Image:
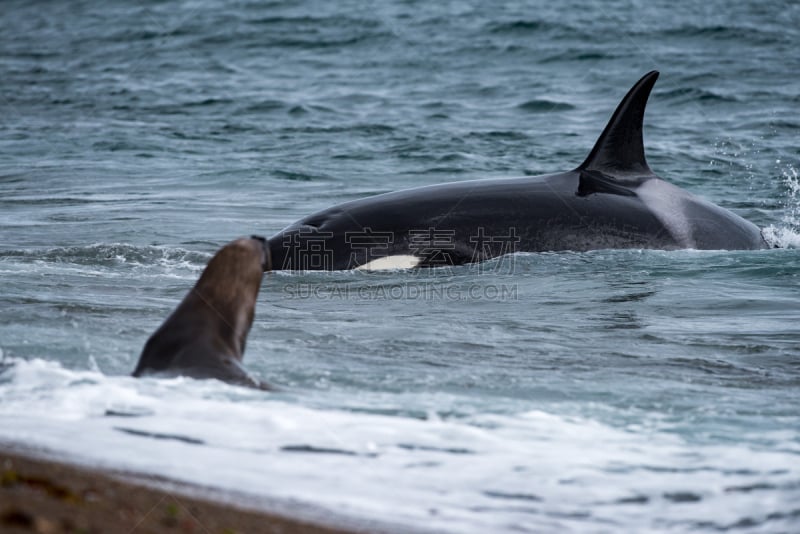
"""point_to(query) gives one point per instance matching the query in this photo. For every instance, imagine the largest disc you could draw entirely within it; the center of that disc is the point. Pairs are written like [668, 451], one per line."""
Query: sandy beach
[46, 496]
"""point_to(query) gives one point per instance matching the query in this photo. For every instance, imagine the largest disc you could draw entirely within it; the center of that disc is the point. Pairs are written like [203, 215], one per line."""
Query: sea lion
[205, 336]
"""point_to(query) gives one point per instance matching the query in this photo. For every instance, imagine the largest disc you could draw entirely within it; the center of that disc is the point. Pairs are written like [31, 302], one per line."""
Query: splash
[788, 234]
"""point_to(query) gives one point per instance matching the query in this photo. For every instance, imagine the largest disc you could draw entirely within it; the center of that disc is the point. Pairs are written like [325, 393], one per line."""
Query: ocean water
[608, 391]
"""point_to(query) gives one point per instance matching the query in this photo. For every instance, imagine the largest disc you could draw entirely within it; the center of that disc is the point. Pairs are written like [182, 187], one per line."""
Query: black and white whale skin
[611, 201]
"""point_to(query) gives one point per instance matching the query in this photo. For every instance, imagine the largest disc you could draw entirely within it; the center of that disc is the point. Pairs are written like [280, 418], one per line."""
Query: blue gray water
[602, 391]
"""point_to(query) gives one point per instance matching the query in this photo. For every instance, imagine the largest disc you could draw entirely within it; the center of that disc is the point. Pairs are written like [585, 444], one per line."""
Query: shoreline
[43, 494]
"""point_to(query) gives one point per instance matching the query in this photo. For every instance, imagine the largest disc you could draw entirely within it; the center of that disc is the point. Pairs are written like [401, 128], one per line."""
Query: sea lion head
[206, 334]
[230, 282]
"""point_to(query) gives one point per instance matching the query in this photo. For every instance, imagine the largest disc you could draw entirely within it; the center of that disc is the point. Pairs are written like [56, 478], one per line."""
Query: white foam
[788, 235]
[781, 237]
[471, 473]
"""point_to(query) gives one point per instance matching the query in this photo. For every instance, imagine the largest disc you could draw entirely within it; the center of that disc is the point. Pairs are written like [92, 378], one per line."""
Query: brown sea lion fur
[205, 336]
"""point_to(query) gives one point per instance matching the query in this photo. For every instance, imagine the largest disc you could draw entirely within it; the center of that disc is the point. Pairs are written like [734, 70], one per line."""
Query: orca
[613, 200]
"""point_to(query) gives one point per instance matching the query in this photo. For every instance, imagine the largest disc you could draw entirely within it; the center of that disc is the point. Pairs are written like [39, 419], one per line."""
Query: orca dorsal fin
[620, 148]
[590, 182]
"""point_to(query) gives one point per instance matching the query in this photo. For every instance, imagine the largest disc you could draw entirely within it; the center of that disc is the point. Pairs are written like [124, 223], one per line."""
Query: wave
[581, 54]
[542, 105]
[333, 22]
[464, 467]
[296, 176]
[722, 32]
[358, 129]
[693, 94]
[525, 26]
[112, 254]
[310, 34]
